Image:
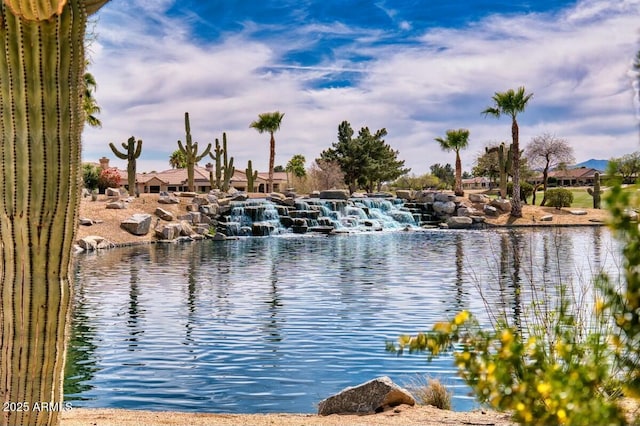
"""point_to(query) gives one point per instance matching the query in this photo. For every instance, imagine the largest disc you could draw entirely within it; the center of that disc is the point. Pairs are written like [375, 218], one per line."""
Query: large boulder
[490, 211]
[334, 194]
[459, 222]
[138, 224]
[118, 205]
[371, 397]
[444, 197]
[443, 208]
[424, 196]
[405, 194]
[501, 204]
[93, 242]
[479, 198]
[170, 231]
[168, 199]
[112, 192]
[164, 214]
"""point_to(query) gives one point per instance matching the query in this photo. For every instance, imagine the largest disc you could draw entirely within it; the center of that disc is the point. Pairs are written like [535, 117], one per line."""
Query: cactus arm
[117, 153]
[138, 149]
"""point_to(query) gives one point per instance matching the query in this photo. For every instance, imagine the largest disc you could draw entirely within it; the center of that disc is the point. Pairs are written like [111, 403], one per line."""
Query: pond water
[276, 324]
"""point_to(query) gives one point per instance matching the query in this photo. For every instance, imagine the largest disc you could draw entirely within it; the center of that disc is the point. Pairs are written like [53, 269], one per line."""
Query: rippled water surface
[276, 324]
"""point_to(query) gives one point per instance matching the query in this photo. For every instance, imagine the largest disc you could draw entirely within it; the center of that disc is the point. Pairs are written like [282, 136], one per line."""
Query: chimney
[104, 163]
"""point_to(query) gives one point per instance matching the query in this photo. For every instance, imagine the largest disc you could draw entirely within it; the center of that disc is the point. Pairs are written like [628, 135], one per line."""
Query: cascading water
[261, 217]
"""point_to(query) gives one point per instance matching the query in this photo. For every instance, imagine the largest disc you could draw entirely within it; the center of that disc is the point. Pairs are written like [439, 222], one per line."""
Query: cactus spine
[596, 192]
[41, 121]
[190, 151]
[252, 176]
[132, 153]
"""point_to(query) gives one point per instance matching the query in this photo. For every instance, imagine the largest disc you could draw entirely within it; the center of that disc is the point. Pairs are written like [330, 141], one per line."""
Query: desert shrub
[541, 379]
[526, 190]
[429, 391]
[559, 197]
[109, 178]
[90, 176]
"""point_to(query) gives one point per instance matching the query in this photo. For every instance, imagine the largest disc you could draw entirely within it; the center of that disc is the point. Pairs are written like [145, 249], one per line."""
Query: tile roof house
[175, 180]
[582, 176]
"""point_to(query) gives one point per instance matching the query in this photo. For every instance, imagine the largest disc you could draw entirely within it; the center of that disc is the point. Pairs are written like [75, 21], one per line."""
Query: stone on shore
[373, 396]
[334, 194]
[138, 224]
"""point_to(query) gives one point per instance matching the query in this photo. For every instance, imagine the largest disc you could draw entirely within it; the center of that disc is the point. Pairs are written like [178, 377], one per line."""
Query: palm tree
[89, 104]
[269, 122]
[511, 103]
[177, 160]
[455, 141]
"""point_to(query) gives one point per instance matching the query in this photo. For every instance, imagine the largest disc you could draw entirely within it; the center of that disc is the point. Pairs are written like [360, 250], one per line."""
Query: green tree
[90, 176]
[279, 169]
[177, 160]
[628, 167]
[511, 103]
[366, 160]
[548, 151]
[41, 110]
[445, 173]
[456, 140]
[295, 166]
[269, 122]
[89, 103]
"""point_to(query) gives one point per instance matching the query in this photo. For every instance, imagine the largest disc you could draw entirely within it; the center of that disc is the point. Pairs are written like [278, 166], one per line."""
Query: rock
[186, 229]
[219, 237]
[138, 224]
[188, 194]
[405, 194]
[631, 214]
[118, 205]
[459, 222]
[224, 201]
[358, 195]
[192, 217]
[490, 211]
[546, 218]
[578, 212]
[444, 208]
[200, 201]
[334, 194]
[84, 221]
[479, 198]
[164, 214]
[467, 211]
[445, 197]
[93, 242]
[168, 199]
[501, 204]
[314, 194]
[112, 192]
[370, 397]
[169, 231]
[425, 197]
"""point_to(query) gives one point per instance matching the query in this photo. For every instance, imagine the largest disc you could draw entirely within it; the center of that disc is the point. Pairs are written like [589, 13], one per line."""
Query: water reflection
[276, 324]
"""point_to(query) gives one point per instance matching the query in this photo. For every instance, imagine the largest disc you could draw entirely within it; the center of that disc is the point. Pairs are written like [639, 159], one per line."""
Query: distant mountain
[593, 164]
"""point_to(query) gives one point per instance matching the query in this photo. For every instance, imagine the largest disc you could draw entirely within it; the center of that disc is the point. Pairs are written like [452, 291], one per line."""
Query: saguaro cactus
[190, 151]
[41, 116]
[224, 165]
[229, 170]
[251, 177]
[132, 153]
[504, 166]
[596, 192]
[218, 159]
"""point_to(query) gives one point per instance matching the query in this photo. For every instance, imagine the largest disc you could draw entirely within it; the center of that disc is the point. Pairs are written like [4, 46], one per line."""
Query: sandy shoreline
[400, 416]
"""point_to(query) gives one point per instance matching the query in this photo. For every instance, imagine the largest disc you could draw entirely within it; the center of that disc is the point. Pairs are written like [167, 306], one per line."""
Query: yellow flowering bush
[540, 384]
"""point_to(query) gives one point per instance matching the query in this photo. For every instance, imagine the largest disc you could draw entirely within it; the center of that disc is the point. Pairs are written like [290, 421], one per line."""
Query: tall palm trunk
[458, 189]
[272, 159]
[516, 205]
[41, 123]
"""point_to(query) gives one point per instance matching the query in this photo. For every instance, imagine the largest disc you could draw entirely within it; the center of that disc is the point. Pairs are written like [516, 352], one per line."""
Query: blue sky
[415, 67]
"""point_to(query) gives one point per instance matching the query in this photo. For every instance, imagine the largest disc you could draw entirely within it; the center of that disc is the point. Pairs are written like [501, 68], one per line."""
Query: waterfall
[261, 217]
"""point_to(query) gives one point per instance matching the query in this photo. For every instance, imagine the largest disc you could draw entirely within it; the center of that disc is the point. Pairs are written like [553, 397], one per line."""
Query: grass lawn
[581, 198]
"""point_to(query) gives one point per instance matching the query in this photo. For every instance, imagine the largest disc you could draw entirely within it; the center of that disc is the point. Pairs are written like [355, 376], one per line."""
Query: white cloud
[576, 63]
